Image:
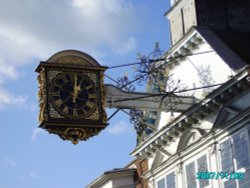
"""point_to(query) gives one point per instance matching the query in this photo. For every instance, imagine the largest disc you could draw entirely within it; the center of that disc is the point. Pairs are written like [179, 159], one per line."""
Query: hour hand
[76, 90]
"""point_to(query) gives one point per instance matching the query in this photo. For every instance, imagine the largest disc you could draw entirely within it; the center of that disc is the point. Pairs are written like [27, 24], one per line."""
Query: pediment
[225, 115]
[158, 159]
[190, 136]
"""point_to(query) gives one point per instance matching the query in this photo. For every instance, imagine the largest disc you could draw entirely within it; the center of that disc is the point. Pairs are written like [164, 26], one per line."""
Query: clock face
[73, 95]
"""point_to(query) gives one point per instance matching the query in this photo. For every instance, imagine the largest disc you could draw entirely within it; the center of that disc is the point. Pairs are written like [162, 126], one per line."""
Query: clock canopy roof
[78, 57]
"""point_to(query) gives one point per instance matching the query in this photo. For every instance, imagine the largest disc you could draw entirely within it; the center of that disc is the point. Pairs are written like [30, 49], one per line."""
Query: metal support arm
[117, 98]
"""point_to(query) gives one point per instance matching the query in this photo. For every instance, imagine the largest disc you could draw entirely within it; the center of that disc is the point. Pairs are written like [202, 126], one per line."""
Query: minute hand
[77, 89]
[75, 92]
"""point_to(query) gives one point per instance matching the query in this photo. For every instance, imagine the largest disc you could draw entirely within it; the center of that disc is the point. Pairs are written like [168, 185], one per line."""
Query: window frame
[157, 182]
[165, 179]
[195, 160]
[245, 130]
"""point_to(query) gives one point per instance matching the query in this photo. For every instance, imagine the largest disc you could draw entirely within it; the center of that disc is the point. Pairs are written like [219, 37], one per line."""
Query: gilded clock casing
[88, 117]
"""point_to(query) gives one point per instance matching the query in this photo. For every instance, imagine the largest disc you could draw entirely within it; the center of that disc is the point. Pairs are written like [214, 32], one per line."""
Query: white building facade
[208, 60]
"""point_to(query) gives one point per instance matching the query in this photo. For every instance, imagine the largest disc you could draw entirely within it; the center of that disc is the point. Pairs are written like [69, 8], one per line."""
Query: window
[190, 173]
[161, 183]
[199, 165]
[167, 182]
[170, 180]
[226, 156]
[202, 167]
[240, 143]
[234, 157]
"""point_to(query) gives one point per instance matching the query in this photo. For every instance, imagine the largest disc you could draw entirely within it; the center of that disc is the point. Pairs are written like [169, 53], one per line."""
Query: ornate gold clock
[71, 96]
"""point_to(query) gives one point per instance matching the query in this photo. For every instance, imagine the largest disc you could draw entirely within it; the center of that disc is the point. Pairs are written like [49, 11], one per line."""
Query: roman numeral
[64, 79]
[75, 112]
[92, 95]
[56, 94]
[65, 110]
[56, 85]
[90, 104]
[88, 87]
[58, 102]
[84, 111]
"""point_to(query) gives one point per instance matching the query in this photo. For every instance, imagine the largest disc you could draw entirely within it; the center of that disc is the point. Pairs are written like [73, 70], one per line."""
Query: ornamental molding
[208, 142]
[111, 176]
[184, 47]
[73, 56]
[74, 134]
[186, 138]
[172, 9]
[219, 97]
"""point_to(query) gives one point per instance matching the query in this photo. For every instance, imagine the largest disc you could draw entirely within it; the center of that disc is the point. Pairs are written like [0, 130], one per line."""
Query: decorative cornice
[197, 112]
[109, 175]
[183, 48]
[207, 141]
[179, 3]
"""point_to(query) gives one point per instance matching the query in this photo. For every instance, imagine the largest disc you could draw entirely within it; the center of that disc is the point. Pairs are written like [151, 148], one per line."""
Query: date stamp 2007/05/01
[220, 175]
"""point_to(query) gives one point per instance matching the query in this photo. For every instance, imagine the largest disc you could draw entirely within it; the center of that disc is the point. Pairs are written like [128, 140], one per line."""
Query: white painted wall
[127, 182]
[108, 184]
[189, 72]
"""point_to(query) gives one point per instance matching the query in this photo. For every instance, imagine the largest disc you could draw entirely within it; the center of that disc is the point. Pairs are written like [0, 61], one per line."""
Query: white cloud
[35, 133]
[9, 162]
[119, 128]
[33, 30]
[32, 175]
[7, 71]
[27, 177]
[33, 107]
[125, 47]
[8, 98]
[27, 30]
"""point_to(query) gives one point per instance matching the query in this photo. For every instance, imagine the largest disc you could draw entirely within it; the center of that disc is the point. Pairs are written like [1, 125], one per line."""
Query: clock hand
[67, 99]
[80, 83]
[75, 80]
[74, 89]
[78, 87]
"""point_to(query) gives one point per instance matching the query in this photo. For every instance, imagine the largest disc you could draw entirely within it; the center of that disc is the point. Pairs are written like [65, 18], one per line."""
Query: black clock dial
[73, 95]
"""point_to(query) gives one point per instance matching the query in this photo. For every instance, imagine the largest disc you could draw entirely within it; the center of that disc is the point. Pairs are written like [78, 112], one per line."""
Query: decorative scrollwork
[75, 134]
[205, 76]
[175, 86]
[142, 71]
[152, 70]
[170, 89]
[53, 113]
[136, 116]
[124, 83]
[41, 96]
[147, 70]
[52, 74]
[103, 98]
[169, 102]
[138, 119]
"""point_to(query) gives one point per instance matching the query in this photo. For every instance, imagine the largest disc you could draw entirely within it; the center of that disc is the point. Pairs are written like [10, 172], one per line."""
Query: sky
[112, 32]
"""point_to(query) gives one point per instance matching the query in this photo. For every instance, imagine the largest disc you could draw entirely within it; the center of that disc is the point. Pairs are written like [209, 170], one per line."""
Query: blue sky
[113, 32]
